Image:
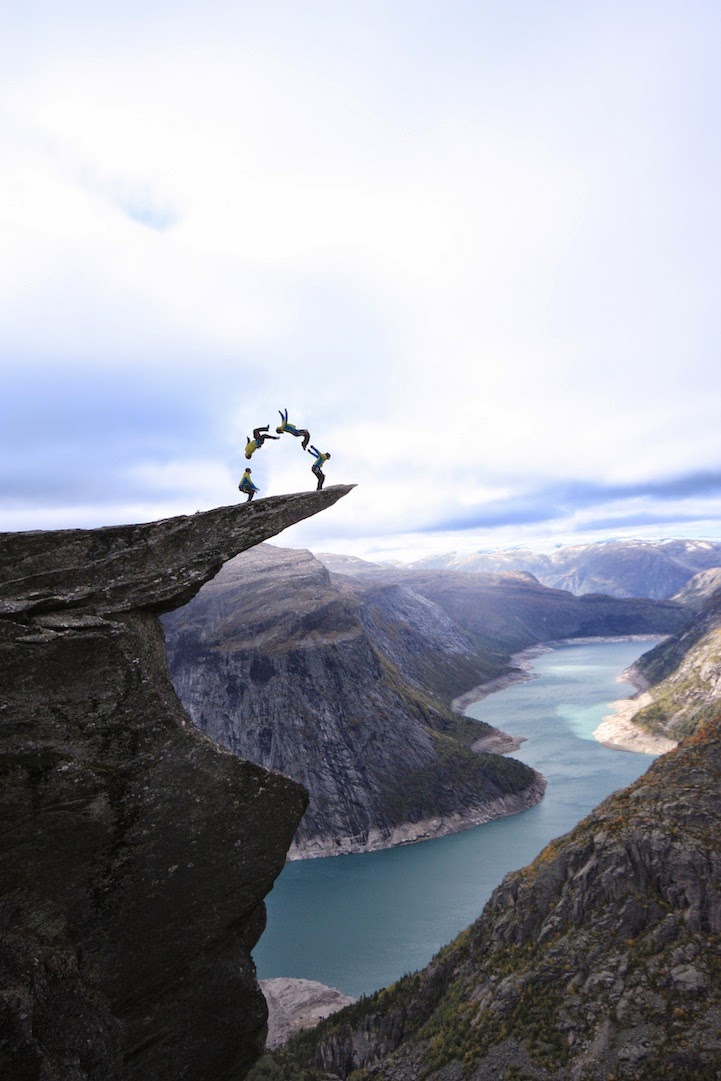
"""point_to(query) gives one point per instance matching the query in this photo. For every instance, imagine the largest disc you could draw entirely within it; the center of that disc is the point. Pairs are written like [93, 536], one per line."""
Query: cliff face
[699, 589]
[135, 854]
[288, 668]
[683, 676]
[600, 960]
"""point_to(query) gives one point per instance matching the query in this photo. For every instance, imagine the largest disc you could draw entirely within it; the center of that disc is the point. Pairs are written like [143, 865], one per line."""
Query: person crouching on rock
[317, 467]
[246, 485]
[286, 426]
[257, 441]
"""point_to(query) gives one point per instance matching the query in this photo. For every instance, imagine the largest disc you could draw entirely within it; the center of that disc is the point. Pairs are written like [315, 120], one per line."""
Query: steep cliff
[682, 676]
[135, 854]
[599, 961]
[289, 669]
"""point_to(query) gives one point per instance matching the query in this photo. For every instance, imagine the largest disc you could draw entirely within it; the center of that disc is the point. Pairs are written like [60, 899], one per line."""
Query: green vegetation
[687, 696]
[272, 1068]
[456, 778]
[431, 711]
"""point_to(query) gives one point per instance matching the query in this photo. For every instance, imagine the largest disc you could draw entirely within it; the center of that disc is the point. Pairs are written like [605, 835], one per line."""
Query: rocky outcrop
[295, 1004]
[135, 853]
[293, 670]
[600, 960]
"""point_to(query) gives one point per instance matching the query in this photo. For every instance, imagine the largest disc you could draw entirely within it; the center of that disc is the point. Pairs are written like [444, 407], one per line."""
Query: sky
[473, 247]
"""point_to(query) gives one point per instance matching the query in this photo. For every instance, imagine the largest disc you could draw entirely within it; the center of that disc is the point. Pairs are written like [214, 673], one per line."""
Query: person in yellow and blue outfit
[257, 441]
[246, 485]
[317, 467]
[286, 426]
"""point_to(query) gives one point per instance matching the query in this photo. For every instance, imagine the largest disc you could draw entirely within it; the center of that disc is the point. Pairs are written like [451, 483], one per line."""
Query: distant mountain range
[619, 568]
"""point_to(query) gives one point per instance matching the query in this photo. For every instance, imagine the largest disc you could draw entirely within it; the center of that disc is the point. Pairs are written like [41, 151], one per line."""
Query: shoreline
[616, 730]
[618, 736]
[522, 667]
[428, 829]
[521, 671]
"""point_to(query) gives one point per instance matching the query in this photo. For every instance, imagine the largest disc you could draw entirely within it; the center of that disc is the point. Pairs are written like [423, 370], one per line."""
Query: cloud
[475, 263]
[574, 497]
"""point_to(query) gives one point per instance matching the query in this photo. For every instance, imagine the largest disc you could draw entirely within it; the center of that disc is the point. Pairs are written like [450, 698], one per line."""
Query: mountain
[511, 611]
[135, 854]
[600, 960]
[342, 564]
[300, 672]
[630, 568]
[345, 683]
[700, 588]
[682, 675]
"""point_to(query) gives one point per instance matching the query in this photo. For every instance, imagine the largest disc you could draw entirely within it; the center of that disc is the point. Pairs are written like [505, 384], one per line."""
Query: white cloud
[473, 268]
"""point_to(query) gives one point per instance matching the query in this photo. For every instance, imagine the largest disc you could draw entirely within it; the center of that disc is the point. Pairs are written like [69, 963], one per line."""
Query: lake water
[360, 922]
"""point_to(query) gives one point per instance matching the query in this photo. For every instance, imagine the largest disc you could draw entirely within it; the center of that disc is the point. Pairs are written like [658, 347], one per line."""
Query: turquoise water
[360, 922]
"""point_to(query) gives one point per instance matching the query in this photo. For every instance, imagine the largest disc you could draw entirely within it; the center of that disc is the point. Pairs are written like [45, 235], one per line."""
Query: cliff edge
[135, 853]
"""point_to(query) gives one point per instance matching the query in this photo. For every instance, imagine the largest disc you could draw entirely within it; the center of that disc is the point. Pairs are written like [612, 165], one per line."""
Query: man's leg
[306, 437]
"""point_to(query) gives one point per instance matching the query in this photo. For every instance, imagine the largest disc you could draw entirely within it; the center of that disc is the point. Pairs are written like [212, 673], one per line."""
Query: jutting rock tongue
[136, 853]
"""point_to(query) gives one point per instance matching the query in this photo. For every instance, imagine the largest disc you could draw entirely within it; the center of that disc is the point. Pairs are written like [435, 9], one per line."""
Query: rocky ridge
[135, 853]
[599, 961]
[296, 1004]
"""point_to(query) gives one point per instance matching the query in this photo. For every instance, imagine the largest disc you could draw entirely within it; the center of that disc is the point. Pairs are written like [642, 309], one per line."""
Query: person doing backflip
[316, 468]
[257, 441]
[246, 485]
[286, 426]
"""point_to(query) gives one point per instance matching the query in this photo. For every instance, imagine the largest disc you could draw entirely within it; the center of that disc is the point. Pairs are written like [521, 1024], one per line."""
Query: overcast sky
[474, 247]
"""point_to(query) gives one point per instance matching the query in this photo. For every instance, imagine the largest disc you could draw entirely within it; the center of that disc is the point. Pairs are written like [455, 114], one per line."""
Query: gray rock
[135, 853]
[295, 1004]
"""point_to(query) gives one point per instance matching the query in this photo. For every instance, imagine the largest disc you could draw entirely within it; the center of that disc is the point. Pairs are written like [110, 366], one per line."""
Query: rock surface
[135, 853]
[298, 1004]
